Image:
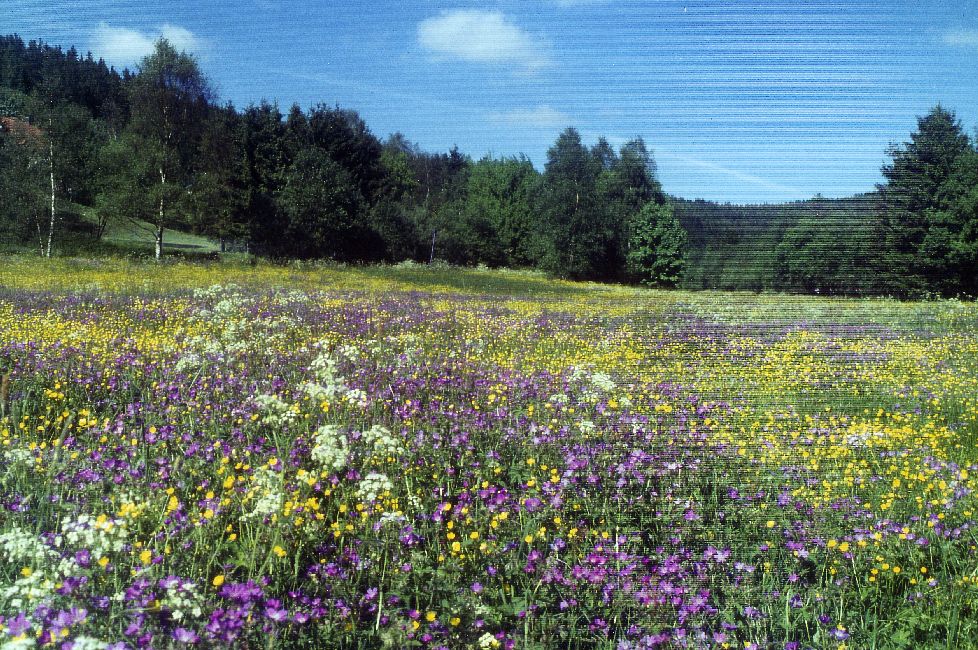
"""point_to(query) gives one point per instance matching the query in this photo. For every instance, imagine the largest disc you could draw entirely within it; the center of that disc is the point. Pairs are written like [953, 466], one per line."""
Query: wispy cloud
[960, 37]
[482, 37]
[539, 116]
[733, 173]
[124, 46]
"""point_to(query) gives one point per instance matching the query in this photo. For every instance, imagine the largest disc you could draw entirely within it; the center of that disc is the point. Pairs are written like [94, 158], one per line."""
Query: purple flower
[183, 635]
[19, 625]
[241, 592]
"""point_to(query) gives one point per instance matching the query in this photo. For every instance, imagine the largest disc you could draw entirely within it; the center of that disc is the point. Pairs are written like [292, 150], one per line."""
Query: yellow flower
[146, 557]
[430, 617]
[770, 523]
[218, 581]
[279, 551]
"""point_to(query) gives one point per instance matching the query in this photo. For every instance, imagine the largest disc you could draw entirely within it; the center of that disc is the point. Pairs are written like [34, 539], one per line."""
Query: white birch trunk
[160, 222]
[51, 169]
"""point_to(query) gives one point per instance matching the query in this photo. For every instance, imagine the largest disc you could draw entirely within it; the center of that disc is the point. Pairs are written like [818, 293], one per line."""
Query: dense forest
[83, 146]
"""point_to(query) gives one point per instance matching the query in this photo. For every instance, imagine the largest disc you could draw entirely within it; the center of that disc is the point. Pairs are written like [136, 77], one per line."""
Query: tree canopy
[84, 147]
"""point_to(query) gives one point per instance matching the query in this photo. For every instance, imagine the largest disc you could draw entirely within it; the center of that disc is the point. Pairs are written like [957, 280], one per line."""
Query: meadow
[228, 455]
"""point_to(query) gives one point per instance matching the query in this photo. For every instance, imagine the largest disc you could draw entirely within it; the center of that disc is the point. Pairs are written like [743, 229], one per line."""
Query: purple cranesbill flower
[183, 635]
[476, 588]
[276, 612]
[18, 625]
[598, 625]
[242, 592]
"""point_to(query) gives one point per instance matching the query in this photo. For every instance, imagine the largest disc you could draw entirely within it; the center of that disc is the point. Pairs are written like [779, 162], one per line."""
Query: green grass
[139, 235]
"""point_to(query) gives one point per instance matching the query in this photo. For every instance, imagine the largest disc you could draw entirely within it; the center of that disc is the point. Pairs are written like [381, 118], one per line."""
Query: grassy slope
[139, 234]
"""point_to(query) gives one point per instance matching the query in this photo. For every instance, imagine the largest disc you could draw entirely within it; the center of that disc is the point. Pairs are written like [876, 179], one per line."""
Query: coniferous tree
[913, 258]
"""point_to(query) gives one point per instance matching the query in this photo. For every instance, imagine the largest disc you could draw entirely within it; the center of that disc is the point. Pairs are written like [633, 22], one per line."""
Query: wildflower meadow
[309, 456]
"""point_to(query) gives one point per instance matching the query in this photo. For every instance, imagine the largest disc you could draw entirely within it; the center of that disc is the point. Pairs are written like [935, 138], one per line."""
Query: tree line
[84, 146]
[916, 234]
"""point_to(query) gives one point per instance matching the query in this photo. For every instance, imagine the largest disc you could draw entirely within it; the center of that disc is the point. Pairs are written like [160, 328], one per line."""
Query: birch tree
[170, 99]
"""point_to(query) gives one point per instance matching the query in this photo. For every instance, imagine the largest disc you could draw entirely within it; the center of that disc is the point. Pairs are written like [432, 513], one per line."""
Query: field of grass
[139, 235]
[318, 456]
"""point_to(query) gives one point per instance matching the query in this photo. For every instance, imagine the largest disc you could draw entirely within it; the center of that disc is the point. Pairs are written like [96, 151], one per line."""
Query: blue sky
[741, 102]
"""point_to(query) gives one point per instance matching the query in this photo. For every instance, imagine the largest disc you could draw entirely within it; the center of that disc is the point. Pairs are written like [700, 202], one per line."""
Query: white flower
[373, 485]
[268, 490]
[382, 442]
[88, 643]
[357, 397]
[276, 410]
[330, 448]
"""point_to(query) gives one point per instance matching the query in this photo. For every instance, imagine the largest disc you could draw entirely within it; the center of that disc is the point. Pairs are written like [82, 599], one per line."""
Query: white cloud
[181, 38]
[482, 37]
[123, 46]
[959, 37]
[540, 116]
